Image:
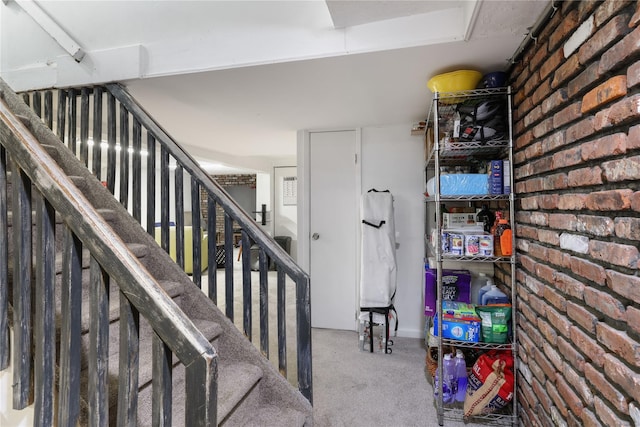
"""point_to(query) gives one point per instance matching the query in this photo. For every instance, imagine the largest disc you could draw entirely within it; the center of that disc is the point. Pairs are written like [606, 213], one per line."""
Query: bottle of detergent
[483, 290]
[461, 376]
[495, 296]
[449, 379]
[502, 241]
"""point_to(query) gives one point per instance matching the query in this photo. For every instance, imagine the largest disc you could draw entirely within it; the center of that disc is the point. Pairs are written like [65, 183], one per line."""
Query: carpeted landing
[356, 388]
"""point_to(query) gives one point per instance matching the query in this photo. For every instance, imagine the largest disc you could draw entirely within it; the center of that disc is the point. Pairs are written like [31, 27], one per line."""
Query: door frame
[304, 211]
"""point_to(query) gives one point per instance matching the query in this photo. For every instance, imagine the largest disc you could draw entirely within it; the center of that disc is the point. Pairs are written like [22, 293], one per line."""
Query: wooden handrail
[169, 322]
[21, 135]
[190, 165]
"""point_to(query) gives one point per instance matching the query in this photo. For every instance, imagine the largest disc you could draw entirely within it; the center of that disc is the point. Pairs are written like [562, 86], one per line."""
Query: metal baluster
[45, 322]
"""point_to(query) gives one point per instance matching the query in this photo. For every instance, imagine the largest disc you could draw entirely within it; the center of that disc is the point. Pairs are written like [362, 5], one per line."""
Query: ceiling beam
[52, 28]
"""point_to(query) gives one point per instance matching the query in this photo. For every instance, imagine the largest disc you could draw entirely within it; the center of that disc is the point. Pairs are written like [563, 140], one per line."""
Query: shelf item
[473, 134]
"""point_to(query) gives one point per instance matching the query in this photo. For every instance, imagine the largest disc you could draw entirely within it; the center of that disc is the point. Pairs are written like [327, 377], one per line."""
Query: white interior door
[333, 229]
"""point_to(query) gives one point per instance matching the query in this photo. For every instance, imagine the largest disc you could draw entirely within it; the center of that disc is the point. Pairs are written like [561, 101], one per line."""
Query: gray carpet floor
[356, 388]
[350, 387]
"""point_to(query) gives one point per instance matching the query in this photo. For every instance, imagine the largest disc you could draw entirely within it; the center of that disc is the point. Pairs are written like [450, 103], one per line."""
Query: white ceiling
[235, 80]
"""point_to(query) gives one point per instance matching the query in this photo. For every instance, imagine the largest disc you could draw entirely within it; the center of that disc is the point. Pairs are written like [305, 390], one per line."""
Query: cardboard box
[456, 286]
[457, 329]
[506, 177]
[495, 177]
[459, 310]
[454, 220]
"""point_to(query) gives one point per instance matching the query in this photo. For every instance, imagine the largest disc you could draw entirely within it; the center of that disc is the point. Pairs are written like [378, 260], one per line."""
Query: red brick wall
[577, 172]
[224, 181]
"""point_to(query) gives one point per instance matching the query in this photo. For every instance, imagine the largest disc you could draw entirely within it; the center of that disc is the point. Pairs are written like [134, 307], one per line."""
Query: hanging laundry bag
[378, 261]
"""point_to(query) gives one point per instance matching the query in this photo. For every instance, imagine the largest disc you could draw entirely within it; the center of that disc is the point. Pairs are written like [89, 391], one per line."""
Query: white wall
[393, 159]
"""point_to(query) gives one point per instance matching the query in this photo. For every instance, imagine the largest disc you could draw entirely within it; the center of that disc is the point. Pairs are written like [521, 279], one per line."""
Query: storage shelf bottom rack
[495, 419]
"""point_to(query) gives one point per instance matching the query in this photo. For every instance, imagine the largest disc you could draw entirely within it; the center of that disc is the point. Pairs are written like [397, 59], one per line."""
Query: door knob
[315, 236]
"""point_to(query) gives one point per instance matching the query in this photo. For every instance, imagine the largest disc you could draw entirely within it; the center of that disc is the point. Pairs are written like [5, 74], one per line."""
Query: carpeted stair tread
[234, 383]
[273, 416]
[108, 214]
[138, 249]
[173, 289]
[250, 391]
[210, 330]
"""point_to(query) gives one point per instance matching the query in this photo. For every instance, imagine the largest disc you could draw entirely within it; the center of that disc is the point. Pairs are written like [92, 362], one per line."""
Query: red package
[490, 385]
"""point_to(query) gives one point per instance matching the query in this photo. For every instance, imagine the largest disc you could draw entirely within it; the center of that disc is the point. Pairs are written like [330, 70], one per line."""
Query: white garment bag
[378, 262]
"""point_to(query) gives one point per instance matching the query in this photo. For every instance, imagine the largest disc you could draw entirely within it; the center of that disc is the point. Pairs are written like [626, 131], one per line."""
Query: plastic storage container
[477, 283]
[503, 226]
[495, 296]
[506, 245]
[486, 288]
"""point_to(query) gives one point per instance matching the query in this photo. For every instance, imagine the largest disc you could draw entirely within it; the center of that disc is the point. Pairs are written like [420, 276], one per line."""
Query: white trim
[358, 179]
[303, 202]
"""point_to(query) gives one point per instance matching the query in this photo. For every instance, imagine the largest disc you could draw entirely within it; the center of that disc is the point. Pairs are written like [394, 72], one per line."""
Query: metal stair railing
[137, 160]
[39, 184]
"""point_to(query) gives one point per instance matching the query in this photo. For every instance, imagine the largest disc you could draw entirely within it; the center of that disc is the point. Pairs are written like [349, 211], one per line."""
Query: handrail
[250, 229]
[189, 164]
[168, 321]
[127, 123]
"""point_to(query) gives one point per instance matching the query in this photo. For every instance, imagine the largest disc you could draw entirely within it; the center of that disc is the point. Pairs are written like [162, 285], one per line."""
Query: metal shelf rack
[444, 152]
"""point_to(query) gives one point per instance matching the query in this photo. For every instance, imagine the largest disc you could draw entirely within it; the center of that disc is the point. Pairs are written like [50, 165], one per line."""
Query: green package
[495, 323]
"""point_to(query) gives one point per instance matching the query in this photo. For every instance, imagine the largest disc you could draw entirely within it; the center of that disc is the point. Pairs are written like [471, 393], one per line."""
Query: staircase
[109, 330]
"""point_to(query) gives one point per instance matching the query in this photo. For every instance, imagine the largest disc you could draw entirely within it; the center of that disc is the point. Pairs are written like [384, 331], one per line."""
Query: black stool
[384, 311]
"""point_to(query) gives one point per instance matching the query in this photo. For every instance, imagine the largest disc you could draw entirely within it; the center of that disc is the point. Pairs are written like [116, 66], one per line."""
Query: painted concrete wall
[393, 159]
